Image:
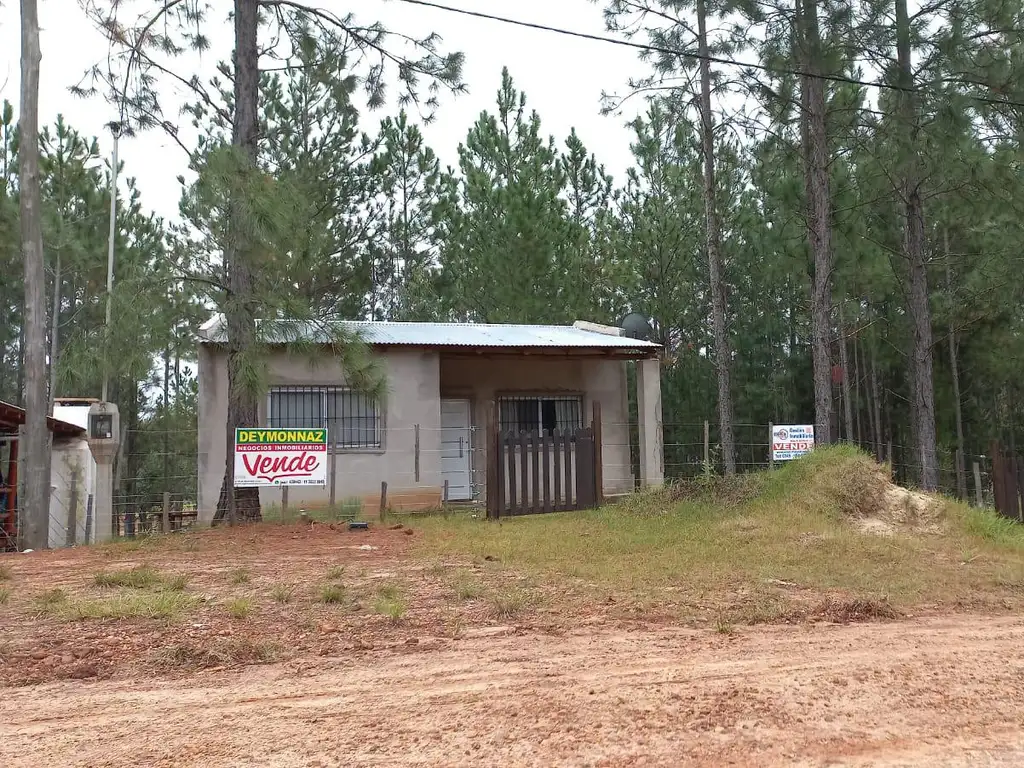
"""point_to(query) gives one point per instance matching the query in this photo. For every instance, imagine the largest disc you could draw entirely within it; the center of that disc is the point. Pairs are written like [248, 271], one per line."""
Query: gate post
[598, 462]
[491, 439]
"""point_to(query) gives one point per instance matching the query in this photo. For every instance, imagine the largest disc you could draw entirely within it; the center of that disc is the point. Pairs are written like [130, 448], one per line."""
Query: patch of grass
[394, 608]
[510, 603]
[5, 595]
[177, 583]
[50, 600]
[230, 651]
[724, 627]
[351, 508]
[282, 593]
[140, 577]
[6, 574]
[331, 594]
[240, 607]
[466, 587]
[798, 525]
[123, 605]
[240, 576]
[335, 572]
[389, 591]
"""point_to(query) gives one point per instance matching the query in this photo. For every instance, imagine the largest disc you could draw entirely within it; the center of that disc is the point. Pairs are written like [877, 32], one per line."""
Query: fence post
[165, 517]
[332, 501]
[771, 446]
[707, 445]
[598, 464]
[491, 438]
[416, 453]
[72, 531]
[979, 500]
[284, 503]
[383, 499]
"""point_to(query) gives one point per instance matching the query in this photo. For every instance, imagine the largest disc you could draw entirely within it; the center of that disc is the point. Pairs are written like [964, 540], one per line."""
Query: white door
[455, 449]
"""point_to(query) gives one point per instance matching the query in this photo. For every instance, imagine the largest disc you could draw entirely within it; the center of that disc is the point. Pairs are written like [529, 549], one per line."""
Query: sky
[563, 77]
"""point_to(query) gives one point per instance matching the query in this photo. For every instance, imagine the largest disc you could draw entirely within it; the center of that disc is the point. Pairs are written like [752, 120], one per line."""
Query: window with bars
[351, 418]
[526, 413]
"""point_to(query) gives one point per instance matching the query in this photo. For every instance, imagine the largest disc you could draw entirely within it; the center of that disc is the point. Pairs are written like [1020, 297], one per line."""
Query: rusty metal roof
[478, 335]
[11, 417]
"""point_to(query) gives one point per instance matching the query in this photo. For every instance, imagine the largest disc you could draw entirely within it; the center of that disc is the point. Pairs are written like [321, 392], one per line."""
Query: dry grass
[800, 527]
[240, 576]
[509, 604]
[282, 593]
[5, 595]
[188, 656]
[335, 572]
[240, 607]
[332, 594]
[127, 604]
[6, 574]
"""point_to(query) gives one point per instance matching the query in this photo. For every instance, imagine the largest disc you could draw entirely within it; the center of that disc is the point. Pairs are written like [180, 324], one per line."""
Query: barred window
[544, 413]
[351, 418]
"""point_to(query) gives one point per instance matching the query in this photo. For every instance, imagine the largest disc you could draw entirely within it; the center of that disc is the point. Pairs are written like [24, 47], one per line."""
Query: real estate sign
[791, 441]
[275, 457]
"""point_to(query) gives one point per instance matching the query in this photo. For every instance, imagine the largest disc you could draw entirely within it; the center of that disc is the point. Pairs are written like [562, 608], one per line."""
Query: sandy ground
[921, 692]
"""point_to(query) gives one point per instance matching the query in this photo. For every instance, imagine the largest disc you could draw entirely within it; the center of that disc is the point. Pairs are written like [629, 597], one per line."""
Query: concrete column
[648, 397]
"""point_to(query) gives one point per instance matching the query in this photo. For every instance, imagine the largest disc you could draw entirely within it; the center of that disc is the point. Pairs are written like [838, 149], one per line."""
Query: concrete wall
[70, 457]
[482, 379]
[413, 386]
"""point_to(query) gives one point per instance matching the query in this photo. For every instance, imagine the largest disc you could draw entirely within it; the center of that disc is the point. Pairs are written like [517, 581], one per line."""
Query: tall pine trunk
[844, 363]
[34, 501]
[954, 367]
[922, 399]
[814, 139]
[723, 350]
[241, 306]
[55, 331]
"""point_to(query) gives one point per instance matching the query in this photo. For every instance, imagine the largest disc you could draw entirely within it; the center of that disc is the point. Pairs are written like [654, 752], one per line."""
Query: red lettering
[274, 468]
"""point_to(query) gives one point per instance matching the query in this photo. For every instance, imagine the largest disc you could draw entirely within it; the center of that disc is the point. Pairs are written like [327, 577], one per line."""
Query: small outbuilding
[450, 386]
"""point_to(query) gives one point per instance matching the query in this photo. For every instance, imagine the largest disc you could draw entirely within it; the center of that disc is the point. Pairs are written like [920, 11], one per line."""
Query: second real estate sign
[276, 457]
[791, 441]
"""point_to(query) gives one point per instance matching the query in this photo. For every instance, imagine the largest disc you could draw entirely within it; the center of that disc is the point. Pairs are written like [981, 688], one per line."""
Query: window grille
[351, 418]
[546, 414]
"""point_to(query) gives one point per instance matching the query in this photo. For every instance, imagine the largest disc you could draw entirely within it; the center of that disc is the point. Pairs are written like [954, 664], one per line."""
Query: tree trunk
[723, 350]
[166, 413]
[240, 306]
[922, 401]
[54, 332]
[819, 226]
[858, 398]
[844, 362]
[34, 501]
[954, 367]
[876, 406]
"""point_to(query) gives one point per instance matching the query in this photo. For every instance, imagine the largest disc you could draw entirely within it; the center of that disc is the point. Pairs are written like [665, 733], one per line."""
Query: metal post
[115, 129]
[707, 446]
[165, 520]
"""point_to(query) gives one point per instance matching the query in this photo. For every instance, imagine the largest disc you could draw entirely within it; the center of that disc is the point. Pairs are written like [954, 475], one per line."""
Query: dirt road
[935, 692]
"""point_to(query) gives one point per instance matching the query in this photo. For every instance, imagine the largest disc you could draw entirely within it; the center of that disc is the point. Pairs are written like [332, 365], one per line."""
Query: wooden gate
[1007, 483]
[536, 472]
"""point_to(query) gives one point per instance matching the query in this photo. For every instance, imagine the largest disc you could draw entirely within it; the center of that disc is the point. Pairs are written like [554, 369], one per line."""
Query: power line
[695, 56]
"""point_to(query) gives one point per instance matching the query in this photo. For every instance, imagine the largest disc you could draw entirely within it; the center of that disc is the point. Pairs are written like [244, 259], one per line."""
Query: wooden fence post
[416, 453]
[165, 518]
[598, 464]
[978, 497]
[383, 499]
[707, 446]
[72, 531]
[491, 438]
[284, 503]
[771, 446]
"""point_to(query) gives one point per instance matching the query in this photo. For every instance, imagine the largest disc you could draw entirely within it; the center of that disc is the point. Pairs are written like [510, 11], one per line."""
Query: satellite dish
[636, 326]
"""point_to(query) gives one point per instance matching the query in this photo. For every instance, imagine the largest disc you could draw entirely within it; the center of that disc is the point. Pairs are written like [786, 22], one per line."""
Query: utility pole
[115, 130]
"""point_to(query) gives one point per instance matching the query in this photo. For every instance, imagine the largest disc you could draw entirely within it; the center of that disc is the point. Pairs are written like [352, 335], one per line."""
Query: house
[71, 464]
[428, 439]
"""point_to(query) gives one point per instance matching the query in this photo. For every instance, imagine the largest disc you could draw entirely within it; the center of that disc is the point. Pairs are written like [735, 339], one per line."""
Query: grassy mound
[804, 532]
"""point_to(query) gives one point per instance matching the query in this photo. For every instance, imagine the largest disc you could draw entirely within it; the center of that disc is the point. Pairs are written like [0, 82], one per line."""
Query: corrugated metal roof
[445, 334]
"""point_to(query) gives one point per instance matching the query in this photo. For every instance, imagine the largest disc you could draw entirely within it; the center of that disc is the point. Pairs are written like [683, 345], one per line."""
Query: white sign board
[276, 457]
[791, 441]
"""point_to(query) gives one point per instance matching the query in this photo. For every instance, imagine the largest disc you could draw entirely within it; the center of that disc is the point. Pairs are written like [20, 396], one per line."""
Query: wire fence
[156, 485]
